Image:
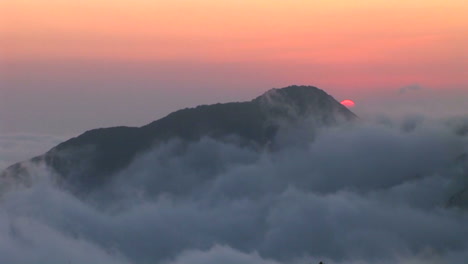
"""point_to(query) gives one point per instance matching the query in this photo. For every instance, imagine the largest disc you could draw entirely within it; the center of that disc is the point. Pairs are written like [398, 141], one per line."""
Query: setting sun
[348, 103]
[211, 131]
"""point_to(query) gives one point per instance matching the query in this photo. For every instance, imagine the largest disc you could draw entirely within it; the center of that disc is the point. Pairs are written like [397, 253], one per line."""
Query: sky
[373, 192]
[70, 66]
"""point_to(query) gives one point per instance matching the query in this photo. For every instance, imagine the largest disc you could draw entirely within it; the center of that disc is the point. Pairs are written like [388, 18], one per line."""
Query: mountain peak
[305, 101]
[98, 153]
[295, 92]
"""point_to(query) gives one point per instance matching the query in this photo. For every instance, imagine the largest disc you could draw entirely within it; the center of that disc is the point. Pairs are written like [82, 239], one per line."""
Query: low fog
[19, 147]
[372, 192]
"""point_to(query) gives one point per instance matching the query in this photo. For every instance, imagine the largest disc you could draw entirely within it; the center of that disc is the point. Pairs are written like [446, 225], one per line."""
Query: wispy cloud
[370, 193]
[19, 147]
[410, 88]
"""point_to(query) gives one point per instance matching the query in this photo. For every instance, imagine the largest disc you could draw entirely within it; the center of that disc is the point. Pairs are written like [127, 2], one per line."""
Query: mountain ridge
[254, 123]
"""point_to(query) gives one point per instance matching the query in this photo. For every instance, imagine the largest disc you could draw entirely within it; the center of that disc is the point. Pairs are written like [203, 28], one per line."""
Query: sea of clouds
[372, 192]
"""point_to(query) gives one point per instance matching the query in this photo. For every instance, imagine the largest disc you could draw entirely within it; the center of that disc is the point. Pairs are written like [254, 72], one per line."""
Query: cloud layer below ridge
[367, 193]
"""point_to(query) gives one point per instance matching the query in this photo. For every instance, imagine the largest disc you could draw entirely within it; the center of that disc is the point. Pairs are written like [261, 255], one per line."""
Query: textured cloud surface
[369, 193]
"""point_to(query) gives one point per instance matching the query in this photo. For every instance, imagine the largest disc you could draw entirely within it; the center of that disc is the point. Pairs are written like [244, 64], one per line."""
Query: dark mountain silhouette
[90, 158]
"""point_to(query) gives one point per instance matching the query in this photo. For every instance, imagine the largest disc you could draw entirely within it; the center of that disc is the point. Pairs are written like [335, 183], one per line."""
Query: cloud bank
[368, 193]
[18, 147]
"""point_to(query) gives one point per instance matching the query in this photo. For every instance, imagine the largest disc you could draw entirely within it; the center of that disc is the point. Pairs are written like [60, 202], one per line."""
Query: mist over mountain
[86, 161]
[291, 177]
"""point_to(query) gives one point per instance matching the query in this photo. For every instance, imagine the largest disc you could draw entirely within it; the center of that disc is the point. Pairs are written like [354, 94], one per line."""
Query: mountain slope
[90, 158]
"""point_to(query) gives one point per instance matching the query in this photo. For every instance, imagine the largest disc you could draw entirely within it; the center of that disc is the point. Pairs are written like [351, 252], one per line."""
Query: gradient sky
[68, 66]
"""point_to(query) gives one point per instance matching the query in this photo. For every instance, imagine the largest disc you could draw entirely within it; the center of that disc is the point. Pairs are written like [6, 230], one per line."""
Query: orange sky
[324, 31]
[417, 41]
[55, 51]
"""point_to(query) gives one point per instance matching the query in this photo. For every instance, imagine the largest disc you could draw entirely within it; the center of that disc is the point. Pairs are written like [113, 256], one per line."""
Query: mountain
[89, 159]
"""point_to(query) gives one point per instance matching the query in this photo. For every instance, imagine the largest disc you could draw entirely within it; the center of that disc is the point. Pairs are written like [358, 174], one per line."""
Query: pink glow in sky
[120, 60]
[334, 42]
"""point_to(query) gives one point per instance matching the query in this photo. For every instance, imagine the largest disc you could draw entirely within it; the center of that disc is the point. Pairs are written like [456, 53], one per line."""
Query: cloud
[413, 101]
[18, 147]
[410, 88]
[219, 254]
[368, 193]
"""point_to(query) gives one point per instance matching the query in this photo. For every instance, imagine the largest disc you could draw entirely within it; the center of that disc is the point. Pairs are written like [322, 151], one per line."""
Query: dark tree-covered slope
[90, 158]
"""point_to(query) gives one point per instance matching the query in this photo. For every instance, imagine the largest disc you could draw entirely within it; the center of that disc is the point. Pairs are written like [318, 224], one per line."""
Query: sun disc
[348, 103]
